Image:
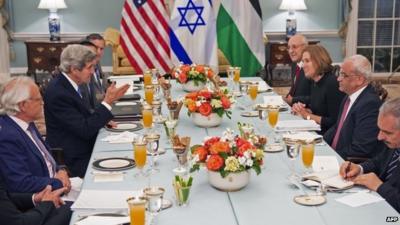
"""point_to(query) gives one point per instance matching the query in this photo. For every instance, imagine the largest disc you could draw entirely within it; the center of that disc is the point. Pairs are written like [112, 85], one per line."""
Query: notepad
[330, 178]
[359, 199]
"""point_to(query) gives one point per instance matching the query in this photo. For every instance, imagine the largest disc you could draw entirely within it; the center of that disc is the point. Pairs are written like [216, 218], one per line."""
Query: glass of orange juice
[147, 77]
[140, 153]
[149, 94]
[137, 210]
[253, 91]
[236, 75]
[307, 154]
[147, 114]
[273, 115]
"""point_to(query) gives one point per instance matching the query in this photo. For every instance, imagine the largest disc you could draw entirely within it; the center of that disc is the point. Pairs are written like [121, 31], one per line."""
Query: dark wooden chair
[380, 90]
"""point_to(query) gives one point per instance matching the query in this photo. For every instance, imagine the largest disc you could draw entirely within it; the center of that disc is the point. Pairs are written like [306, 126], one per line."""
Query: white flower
[215, 103]
[242, 160]
[247, 154]
[249, 162]
[198, 103]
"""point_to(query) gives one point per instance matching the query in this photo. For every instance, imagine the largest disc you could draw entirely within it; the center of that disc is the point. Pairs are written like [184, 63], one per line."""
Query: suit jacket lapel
[28, 141]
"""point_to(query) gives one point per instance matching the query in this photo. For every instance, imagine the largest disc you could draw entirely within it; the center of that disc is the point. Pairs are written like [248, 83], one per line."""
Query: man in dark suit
[69, 123]
[43, 208]
[382, 173]
[26, 164]
[354, 134]
[301, 86]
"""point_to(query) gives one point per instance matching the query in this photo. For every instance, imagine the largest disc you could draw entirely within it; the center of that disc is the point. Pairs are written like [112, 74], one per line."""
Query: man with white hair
[25, 162]
[70, 124]
[382, 173]
[354, 134]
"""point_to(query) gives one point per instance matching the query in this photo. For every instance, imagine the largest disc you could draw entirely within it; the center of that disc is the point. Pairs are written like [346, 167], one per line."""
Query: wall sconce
[291, 6]
[54, 19]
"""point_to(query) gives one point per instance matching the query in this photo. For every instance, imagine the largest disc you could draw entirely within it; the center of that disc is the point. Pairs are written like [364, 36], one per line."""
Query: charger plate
[114, 164]
[125, 126]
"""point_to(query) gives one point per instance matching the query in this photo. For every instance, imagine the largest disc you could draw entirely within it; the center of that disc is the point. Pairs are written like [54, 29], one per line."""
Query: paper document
[359, 199]
[122, 80]
[324, 163]
[124, 137]
[103, 220]
[102, 199]
[273, 100]
[297, 125]
[303, 136]
[330, 178]
[76, 184]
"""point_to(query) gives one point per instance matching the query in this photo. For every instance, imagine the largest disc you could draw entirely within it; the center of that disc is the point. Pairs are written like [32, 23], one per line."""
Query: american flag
[145, 35]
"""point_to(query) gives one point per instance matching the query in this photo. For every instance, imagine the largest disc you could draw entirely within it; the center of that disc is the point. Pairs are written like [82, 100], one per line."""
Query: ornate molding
[310, 34]
[23, 36]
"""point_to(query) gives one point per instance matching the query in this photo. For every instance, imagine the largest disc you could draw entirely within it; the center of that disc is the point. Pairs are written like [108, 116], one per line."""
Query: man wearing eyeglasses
[26, 164]
[301, 86]
[354, 134]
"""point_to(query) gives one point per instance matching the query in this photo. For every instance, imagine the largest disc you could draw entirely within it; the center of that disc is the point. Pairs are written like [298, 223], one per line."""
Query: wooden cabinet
[279, 67]
[44, 55]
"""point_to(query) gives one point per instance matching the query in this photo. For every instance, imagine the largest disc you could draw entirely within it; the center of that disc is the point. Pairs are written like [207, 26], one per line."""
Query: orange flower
[244, 148]
[192, 95]
[215, 162]
[202, 153]
[204, 93]
[182, 77]
[218, 147]
[205, 109]
[191, 105]
[226, 104]
[200, 68]
[210, 74]
[185, 68]
[211, 141]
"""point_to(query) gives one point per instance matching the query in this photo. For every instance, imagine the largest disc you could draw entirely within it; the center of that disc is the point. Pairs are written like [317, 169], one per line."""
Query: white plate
[126, 126]
[273, 148]
[249, 114]
[125, 103]
[114, 163]
[309, 200]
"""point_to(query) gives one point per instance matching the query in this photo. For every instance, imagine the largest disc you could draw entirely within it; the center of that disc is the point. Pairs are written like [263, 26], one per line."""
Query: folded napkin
[273, 100]
[100, 176]
[297, 125]
[104, 220]
[302, 136]
[76, 185]
[124, 137]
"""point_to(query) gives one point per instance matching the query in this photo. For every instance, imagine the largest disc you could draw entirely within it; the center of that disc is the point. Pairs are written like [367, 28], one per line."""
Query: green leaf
[194, 147]
[224, 155]
[223, 173]
[195, 167]
[257, 168]
[190, 181]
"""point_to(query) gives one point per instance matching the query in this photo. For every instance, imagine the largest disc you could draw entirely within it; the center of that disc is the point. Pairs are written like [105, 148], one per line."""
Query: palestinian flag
[240, 34]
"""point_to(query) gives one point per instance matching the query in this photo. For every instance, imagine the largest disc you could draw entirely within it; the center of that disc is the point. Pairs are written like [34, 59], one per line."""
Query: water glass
[154, 197]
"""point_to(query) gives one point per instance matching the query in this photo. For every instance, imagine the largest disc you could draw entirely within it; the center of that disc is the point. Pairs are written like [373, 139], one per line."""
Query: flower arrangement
[206, 102]
[196, 73]
[227, 154]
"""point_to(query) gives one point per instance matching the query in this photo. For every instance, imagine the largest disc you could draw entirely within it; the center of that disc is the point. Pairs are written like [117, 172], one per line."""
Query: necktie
[341, 121]
[51, 164]
[295, 80]
[392, 164]
[79, 91]
[98, 78]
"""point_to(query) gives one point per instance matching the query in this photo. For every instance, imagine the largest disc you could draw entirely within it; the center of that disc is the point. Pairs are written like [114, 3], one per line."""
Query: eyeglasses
[294, 46]
[37, 99]
[345, 75]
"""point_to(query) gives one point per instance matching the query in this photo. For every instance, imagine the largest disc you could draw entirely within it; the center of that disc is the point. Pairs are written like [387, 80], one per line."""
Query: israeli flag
[193, 33]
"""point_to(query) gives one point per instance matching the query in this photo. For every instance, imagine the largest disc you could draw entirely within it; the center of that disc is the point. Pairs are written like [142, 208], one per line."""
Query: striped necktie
[392, 164]
[50, 162]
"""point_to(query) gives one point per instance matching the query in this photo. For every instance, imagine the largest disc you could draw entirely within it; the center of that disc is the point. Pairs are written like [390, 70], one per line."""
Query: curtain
[4, 46]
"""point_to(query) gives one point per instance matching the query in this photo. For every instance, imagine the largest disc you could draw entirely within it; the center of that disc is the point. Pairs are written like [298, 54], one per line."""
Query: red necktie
[296, 78]
[341, 121]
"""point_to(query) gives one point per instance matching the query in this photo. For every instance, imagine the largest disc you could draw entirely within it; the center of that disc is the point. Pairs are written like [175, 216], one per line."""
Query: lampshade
[293, 5]
[52, 4]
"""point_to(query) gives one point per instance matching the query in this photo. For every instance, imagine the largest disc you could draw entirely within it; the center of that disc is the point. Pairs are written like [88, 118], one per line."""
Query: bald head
[296, 46]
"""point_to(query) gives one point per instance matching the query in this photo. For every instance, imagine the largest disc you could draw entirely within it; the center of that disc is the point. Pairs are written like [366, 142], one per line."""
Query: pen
[347, 170]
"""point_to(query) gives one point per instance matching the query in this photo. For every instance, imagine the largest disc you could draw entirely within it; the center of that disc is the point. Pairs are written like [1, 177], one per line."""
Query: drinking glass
[307, 155]
[149, 94]
[181, 194]
[137, 210]
[170, 126]
[181, 154]
[253, 91]
[236, 75]
[273, 115]
[147, 78]
[140, 154]
[154, 197]
[292, 150]
[154, 75]
[152, 140]
[147, 114]
[230, 72]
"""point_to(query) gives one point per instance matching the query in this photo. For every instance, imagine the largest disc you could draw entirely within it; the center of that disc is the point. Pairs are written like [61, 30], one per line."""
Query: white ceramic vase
[190, 86]
[232, 182]
[212, 120]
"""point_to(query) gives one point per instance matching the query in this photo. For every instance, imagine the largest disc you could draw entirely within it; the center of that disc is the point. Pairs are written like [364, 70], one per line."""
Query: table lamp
[54, 19]
[291, 6]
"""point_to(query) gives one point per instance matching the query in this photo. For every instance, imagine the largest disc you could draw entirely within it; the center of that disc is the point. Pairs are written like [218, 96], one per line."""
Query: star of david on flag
[193, 33]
